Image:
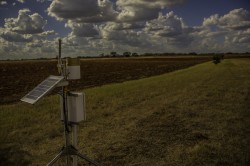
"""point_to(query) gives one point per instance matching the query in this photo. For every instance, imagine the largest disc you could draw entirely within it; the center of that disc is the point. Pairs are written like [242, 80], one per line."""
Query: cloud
[149, 3]
[21, 1]
[82, 10]
[236, 19]
[95, 11]
[171, 28]
[48, 33]
[66, 9]
[120, 21]
[3, 3]
[25, 23]
[25, 27]
[125, 26]
[77, 46]
[18, 46]
[10, 48]
[165, 33]
[35, 44]
[113, 31]
[116, 24]
[102, 26]
[133, 14]
[225, 33]
[142, 10]
[40, 47]
[15, 37]
[244, 36]
[168, 26]
[42, 1]
[20, 36]
[240, 37]
[82, 29]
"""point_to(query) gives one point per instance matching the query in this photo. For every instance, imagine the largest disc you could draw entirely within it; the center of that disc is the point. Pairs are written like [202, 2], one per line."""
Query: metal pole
[68, 150]
[66, 127]
[74, 142]
[65, 103]
[60, 46]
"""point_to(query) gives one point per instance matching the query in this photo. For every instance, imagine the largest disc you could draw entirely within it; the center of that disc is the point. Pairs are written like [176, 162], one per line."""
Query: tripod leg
[55, 159]
[74, 141]
[88, 159]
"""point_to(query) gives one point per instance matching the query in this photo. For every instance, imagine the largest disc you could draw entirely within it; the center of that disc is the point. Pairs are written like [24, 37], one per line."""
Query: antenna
[72, 105]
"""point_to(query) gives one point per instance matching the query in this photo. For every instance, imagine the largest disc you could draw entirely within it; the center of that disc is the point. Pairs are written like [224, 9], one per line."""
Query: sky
[30, 29]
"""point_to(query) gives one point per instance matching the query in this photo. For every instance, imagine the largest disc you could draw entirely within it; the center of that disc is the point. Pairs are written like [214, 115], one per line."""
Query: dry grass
[196, 116]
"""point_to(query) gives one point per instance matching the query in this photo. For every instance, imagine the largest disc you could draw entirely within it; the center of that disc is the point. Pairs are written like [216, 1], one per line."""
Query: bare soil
[19, 77]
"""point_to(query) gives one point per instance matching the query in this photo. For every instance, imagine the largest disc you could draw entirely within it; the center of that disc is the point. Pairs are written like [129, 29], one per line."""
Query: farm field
[194, 116]
[19, 77]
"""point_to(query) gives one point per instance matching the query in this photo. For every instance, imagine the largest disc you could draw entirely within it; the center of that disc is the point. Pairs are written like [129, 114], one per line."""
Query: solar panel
[42, 89]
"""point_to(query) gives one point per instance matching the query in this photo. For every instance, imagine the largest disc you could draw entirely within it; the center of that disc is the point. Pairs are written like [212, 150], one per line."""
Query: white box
[76, 108]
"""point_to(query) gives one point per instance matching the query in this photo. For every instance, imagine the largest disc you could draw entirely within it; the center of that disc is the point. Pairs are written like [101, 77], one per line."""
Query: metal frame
[68, 149]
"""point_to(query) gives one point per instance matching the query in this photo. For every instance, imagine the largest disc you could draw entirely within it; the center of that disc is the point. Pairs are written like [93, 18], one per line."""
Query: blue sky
[194, 11]
[31, 28]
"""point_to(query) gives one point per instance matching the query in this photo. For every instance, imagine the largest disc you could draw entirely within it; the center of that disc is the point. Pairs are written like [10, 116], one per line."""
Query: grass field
[195, 116]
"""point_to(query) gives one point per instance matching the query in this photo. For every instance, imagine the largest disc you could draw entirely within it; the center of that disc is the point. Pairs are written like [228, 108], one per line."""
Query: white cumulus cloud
[142, 10]
[236, 19]
[21, 1]
[82, 10]
[82, 29]
[3, 3]
[25, 23]
[15, 37]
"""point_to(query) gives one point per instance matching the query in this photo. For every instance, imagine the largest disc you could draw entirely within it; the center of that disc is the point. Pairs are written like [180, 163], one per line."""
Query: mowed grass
[196, 116]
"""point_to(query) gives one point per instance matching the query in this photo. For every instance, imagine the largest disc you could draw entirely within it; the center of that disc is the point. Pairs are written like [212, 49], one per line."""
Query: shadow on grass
[14, 156]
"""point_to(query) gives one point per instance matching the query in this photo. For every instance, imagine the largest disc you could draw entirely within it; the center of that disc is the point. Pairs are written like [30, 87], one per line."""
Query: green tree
[127, 54]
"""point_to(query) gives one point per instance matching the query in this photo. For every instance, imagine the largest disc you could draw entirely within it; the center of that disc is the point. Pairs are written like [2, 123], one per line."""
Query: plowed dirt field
[19, 77]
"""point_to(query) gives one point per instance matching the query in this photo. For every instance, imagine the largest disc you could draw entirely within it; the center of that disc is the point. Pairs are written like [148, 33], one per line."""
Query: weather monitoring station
[72, 106]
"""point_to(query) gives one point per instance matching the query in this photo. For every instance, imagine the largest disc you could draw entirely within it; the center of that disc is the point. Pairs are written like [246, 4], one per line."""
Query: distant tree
[101, 55]
[147, 54]
[217, 58]
[80, 57]
[192, 53]
[127, 54]
[113, 54]
[135, 54]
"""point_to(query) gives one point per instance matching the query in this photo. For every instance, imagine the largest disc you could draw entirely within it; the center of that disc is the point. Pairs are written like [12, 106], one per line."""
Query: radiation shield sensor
[73, 69]
[42, 89]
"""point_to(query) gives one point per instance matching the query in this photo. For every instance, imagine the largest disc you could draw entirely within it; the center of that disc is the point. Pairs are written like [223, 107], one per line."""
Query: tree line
[134, 54]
